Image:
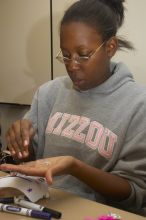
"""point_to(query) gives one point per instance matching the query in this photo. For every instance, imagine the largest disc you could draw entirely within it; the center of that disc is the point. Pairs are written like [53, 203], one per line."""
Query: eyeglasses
[78, 59]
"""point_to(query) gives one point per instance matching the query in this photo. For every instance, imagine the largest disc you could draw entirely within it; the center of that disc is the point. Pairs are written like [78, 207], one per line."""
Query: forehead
[78, 33]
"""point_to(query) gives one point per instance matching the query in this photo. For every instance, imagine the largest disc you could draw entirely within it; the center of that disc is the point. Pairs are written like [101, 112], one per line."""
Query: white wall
[24, 48]
[134, 29]
[59, 7]
[24, 55]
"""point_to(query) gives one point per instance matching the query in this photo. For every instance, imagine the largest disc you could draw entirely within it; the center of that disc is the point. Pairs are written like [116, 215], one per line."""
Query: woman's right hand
[18, 138]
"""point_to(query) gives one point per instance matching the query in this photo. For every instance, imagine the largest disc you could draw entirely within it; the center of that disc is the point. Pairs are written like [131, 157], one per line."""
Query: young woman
[89, 126]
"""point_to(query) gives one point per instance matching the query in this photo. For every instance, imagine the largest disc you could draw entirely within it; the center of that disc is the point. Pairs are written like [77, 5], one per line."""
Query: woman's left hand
[47, 167]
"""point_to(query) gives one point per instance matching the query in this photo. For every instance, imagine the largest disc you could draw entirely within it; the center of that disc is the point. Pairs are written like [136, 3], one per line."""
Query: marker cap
[55, 214]
[7, 200]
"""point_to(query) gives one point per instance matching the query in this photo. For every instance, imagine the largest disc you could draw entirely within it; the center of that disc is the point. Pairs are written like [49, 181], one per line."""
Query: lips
[78, 82]
[75, 79]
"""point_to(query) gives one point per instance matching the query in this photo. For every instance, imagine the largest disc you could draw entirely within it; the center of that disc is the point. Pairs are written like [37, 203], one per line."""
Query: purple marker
[24, 211]
[7, 200]
[34, 206]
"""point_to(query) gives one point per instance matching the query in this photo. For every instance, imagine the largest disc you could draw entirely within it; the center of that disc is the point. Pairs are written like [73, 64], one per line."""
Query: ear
[111, 46]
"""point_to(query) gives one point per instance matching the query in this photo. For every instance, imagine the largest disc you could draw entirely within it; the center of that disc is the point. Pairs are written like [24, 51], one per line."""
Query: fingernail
[20, 154]
[26, 143]
[13, 152]
[25, 153]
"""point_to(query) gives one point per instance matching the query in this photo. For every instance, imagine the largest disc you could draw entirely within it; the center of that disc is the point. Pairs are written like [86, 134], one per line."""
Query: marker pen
[7, 200]
[24, 211]
[28, 204]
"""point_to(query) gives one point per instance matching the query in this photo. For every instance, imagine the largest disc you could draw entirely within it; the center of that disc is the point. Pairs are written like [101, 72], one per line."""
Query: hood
[120, 76]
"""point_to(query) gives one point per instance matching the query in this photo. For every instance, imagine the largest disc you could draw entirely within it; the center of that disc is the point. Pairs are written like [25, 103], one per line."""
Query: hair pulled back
[106, 16]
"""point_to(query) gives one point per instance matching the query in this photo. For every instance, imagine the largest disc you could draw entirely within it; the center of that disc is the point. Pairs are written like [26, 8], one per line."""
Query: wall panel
[24, 48]
[134, 29]
[58, 10]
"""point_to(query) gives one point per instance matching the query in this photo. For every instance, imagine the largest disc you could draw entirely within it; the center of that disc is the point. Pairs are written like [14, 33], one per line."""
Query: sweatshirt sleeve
[131, 163]
[132, 166]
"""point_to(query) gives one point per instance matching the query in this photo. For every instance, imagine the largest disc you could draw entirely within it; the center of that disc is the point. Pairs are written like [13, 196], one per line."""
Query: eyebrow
[79, 47]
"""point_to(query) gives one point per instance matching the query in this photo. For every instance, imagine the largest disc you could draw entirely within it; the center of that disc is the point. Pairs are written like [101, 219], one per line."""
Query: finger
[27, 133]
[10, 136]
[18, 137]
[52, 171]
[15, 132]
[12, 143]
[18, 168]
[15, 138]
[9, 167]
[28, 169]
[19, 148]
[49, 177]
[10, 147]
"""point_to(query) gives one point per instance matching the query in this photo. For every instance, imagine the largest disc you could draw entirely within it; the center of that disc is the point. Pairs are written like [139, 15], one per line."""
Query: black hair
[106, 16]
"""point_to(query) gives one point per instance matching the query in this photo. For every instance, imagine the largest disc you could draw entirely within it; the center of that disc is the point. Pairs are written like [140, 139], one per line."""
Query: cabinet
[24, 48]
[27, 52]
[24, 56]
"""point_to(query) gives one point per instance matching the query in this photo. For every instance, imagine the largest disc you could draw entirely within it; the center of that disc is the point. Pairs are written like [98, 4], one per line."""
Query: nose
[72, 65]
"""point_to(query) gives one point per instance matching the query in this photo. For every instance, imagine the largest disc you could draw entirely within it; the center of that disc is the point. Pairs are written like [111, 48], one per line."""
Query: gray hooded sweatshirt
[104, 127]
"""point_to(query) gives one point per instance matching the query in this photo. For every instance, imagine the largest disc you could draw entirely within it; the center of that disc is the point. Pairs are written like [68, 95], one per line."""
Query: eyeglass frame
[66, 60]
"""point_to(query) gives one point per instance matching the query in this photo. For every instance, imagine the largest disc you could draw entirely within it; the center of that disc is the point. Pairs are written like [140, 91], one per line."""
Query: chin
[79, 88]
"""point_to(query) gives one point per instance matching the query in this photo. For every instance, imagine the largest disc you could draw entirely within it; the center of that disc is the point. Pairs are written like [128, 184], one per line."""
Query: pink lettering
[52, 121]
[78, 135]
[68, 131]
[107, 143]
[94, 134]
[64, 119]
